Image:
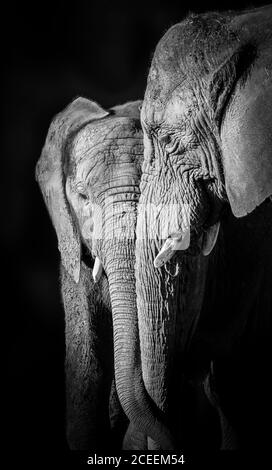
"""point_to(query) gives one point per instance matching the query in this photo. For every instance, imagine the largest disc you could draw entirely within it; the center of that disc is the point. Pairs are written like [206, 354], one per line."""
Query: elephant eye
[81, 192]
[83, 196]
[164, 139]
[172, 147]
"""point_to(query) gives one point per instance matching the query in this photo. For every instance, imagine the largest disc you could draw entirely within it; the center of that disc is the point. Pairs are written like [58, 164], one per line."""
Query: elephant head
[206, 119]
[89, 174]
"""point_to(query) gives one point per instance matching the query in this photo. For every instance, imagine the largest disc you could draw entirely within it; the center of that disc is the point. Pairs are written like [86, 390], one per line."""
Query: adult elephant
[206, 118]
[89, 173]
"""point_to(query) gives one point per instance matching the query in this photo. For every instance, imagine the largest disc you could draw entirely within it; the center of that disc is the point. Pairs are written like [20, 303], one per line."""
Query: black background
[53, 52]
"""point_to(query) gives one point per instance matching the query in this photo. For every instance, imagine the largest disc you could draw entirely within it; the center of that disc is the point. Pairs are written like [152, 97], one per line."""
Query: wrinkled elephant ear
[132, 109]
[246, 134]
[51, 178]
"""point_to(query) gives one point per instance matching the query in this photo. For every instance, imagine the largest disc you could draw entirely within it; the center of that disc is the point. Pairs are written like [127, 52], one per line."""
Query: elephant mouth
[183, 242]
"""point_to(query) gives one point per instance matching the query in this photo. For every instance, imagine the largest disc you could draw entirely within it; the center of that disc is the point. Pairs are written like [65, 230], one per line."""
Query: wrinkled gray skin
[89, 174]
[206, 118]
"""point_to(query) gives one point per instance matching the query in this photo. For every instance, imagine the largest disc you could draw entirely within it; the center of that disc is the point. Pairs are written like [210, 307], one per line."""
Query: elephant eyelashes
[83, 196]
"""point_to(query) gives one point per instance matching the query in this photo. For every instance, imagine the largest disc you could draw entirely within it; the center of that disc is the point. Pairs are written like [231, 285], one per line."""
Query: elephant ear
[246, 129]
[132, 109]
[51, 177]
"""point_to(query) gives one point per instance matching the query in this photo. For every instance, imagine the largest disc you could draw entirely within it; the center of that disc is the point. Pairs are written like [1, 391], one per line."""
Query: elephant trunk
[119, 265]
[157, 297]
[169, 300]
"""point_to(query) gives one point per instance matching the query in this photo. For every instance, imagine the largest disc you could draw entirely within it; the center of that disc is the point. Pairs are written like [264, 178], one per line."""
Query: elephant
[89, 172]
[205, 216]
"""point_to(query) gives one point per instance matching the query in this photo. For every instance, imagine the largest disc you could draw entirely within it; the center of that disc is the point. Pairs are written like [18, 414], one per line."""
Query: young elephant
[89, 173]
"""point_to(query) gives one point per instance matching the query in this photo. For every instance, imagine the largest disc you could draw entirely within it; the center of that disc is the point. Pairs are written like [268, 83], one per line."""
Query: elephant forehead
[160, 86]
[107, 135]
[191, 46]
[101, 145]
[170, 81]
[169, 50]
[171, 107]
[168, 67]
[188, 53]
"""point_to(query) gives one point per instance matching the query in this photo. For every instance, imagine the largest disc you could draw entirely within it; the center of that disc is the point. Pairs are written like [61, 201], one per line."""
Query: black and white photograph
[137, 232]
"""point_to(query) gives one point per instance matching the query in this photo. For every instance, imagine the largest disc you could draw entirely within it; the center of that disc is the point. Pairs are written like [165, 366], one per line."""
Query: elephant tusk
[97, 269]
[176, 242]
[209, 239]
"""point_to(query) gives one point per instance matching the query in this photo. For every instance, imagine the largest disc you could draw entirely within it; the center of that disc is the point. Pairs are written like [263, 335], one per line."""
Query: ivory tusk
[181, 241]
[97, 269]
